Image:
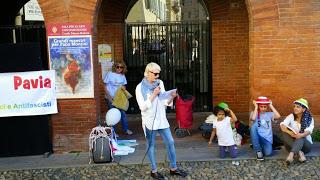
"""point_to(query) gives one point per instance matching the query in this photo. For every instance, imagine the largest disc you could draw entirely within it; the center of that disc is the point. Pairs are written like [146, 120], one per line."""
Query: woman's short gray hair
[151, 67]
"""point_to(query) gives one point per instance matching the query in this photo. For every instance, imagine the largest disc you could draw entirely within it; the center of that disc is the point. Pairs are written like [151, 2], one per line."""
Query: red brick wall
[230, 53]
[72, 125]
[113, 11]
[111, 33]
[284, 52]
[110, 28]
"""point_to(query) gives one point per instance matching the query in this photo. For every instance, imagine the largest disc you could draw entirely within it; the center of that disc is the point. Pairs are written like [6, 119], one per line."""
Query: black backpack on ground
[100, 147]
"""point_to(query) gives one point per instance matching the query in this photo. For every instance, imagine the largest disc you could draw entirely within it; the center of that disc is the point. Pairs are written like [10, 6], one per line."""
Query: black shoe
[179, 172]
[260, 156]
[157, 175]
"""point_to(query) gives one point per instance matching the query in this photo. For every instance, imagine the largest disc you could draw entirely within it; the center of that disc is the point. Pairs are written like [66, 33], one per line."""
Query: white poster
[32, 11]
[105, 58]
[27, 93]
[106, 66]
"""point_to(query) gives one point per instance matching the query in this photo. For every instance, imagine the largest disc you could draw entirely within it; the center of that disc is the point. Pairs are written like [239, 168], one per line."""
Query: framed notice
[105, 52]
[70, 55]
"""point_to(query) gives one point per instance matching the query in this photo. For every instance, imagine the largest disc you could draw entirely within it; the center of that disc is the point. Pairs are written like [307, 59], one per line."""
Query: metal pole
[14, 40]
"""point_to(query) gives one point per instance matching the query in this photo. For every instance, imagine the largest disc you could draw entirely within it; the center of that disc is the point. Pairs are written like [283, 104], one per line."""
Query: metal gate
[23, 48]
[182, 49]
[26, 34]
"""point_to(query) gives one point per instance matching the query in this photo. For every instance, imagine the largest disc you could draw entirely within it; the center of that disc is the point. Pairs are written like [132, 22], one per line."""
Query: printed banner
[70, 55]
[27, 93]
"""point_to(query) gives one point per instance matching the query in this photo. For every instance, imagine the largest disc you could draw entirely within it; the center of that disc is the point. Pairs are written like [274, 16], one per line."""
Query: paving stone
[272, 169]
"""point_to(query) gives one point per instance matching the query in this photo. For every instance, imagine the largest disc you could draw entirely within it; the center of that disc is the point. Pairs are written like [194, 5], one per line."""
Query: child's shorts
[233, 150]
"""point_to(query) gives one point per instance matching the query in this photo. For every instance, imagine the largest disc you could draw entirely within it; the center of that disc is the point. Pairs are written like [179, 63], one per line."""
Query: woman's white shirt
[289, 121]
[153, 113]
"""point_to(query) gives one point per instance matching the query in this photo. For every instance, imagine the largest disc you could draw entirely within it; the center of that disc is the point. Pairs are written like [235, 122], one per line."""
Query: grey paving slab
[192, 153]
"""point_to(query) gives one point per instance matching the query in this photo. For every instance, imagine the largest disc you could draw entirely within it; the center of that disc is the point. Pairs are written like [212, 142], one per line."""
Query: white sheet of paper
[167, 94]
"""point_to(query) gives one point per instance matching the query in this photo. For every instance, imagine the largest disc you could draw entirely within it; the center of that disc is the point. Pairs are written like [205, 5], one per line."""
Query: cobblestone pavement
[221, 169]
[193, 155]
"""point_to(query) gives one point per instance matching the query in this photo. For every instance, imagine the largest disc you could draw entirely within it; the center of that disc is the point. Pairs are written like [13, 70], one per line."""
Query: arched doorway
[23, 48]
[228, 48]
[176, 35]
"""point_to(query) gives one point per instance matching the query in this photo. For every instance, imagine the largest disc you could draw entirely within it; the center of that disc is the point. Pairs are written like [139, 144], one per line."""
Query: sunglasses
[119, 67]
[155, 74]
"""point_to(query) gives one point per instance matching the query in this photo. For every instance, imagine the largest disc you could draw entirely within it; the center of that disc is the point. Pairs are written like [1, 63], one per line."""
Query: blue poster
[71, 58]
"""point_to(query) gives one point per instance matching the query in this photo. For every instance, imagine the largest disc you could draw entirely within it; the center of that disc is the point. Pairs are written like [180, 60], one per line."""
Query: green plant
[316, 135]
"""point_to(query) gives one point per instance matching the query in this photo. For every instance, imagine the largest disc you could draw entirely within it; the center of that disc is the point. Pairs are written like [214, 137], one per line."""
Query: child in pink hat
[261, 129]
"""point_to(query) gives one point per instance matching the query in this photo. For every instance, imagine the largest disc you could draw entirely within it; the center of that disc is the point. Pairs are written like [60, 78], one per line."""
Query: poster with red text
[27, 93]
[70, 55]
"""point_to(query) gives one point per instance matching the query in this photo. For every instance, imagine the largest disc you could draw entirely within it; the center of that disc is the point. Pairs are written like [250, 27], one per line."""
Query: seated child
[261, 130]
[222, 127]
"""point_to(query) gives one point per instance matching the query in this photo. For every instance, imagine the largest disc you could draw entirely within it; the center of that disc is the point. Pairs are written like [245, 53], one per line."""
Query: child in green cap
[222, 127]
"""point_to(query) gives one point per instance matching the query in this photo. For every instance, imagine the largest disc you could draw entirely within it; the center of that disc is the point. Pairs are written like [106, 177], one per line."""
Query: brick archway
[108, 28]
[76, 117]
[256, 40]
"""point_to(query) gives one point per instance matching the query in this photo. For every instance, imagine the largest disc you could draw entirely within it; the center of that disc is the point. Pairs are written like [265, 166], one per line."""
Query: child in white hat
[261, 129]
[297, 128]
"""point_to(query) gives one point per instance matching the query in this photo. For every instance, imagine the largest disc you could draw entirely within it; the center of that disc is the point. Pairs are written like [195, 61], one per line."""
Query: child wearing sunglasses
[261, 129]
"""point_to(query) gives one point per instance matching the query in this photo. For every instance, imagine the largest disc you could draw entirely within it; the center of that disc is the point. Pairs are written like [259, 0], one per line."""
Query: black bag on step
[100, 147]
[101, 152]
[206, 129]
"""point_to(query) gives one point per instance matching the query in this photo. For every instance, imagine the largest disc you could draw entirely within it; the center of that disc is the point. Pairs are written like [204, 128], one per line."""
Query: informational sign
[70, 55]
[105, 52]
[27, 93]
[32, 11]
[105, 58]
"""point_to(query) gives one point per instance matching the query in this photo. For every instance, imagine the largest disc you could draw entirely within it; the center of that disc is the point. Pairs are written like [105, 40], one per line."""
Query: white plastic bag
[237, 137]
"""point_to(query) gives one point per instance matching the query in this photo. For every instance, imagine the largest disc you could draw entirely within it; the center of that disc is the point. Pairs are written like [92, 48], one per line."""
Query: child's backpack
[242, 128]
[206, 129]
[100, 147]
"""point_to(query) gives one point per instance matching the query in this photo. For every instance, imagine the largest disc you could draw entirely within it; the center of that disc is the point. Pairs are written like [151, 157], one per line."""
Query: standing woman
[152, 100]
[298, 140]
[112, 81]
